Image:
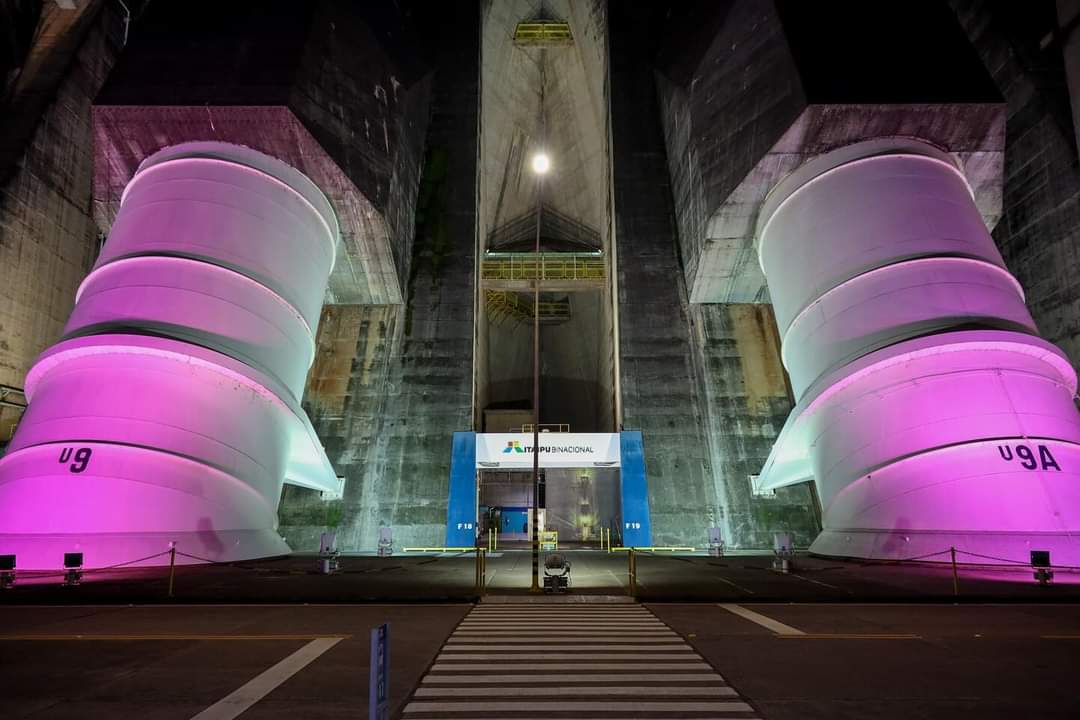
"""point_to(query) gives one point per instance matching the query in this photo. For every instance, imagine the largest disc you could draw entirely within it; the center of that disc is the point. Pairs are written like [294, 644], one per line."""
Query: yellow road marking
[167, 636]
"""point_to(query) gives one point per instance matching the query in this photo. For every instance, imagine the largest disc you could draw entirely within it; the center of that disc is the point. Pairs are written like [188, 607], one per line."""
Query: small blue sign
[379, 674]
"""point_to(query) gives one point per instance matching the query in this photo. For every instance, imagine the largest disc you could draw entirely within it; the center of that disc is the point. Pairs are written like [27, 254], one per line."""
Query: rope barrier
[922, 557]
[86, 571]
[205, 560]
[991, 557]
[125, 564]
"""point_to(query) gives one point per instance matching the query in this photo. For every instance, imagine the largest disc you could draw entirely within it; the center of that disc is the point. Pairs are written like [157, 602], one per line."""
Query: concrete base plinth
[46, 552]
[933, 546]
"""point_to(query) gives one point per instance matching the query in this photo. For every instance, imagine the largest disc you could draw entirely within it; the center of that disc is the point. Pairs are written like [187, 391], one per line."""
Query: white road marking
[562, 613]
[569, 611]
[819, 582]
[667, 706]
[539, 668]
[566, 613]
[561, 621]
[636, 619]
[560, 627]
[735, 585]
[764, 621]
[531, 678]
[566, 656]
[575, 691]
[664, 644]
[551, 631]
[251, 692]
[529, 660]
[607, 636]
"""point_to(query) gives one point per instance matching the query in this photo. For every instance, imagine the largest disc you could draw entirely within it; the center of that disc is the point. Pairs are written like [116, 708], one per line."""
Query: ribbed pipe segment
[930, 414]
[166, 412]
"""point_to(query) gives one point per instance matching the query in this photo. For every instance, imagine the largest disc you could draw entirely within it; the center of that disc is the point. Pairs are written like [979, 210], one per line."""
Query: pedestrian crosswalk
[602, 661]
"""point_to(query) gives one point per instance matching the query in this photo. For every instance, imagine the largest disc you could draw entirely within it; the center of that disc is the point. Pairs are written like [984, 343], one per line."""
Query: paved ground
[448, 577]
[786, 661]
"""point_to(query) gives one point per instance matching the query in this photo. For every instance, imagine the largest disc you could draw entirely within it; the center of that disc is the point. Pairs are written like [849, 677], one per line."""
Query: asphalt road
[951, 662]
[805, 661]
[158, 662]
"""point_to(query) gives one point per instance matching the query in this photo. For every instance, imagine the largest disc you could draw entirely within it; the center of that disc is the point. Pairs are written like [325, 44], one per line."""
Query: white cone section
[170, 410]
[929, 413]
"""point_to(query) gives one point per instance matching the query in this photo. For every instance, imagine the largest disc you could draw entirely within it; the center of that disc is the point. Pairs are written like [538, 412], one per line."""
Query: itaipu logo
[515, 446]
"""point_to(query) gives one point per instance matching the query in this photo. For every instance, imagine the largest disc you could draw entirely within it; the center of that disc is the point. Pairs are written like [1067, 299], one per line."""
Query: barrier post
[172, 566]
[481, 570]
[955, 577]
[632, 571]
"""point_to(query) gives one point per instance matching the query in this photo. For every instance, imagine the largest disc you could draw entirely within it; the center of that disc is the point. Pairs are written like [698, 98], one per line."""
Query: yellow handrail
[543, 33]
[655, 549]
[525, 266]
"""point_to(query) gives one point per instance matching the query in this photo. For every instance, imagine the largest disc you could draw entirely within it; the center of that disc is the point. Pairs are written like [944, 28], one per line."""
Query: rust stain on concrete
[759, 354]
[328, 381]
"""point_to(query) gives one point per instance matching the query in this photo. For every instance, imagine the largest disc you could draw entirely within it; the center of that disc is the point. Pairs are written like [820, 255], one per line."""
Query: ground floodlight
[7, 571]
[73, 569]
[1040, 561]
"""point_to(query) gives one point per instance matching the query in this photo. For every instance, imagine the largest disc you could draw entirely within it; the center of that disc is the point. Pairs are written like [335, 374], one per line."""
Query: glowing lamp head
[541, 163]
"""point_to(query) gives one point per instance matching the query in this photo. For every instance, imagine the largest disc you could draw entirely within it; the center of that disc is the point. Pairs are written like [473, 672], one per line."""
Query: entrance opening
[578, 503]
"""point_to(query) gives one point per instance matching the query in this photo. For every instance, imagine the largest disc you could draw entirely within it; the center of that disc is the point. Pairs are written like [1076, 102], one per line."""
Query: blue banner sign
[461, 510]
[636, 526]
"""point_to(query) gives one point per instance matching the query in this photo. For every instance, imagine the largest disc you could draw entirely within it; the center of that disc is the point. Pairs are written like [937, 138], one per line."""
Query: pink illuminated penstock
[930, 414]
[168, 411]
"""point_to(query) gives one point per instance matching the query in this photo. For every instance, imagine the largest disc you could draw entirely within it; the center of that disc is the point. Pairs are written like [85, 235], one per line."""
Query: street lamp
[541, 163]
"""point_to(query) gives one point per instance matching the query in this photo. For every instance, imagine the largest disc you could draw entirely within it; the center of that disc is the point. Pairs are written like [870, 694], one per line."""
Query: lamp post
[541, 163]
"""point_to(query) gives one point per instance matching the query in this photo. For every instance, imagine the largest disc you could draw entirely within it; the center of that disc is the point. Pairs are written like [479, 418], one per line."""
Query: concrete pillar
[931, 414]
[1068, 15]
[169, 410]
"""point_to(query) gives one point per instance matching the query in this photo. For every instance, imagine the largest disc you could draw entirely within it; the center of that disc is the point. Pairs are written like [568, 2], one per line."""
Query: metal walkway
[570, 660]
